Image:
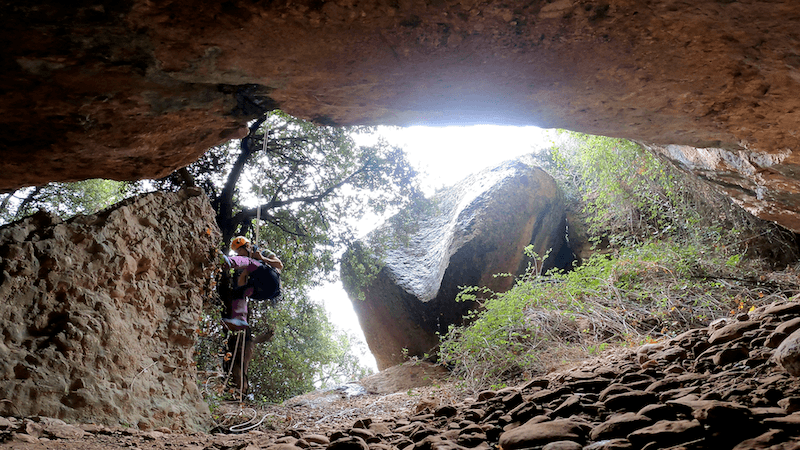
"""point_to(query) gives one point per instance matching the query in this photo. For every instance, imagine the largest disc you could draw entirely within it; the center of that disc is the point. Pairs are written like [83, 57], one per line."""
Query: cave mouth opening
[446, 154]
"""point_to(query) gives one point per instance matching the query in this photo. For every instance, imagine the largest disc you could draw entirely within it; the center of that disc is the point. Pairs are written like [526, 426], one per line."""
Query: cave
[136, 89]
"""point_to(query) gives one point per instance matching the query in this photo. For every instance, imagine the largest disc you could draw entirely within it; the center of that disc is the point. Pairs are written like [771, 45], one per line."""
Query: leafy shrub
[676, 255]
[628, 195]
[647, 292]
[306, 352]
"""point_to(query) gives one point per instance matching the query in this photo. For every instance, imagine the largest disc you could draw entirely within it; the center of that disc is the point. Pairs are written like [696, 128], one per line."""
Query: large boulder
[474, 230]
[99, 312]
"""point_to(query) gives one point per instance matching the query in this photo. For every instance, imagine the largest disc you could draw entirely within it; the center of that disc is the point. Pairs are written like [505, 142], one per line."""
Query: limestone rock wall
[98, 313]
[478, 228]
[763, 183]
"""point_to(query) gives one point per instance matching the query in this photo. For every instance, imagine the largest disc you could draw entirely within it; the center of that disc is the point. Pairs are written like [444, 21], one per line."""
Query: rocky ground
[724, 387]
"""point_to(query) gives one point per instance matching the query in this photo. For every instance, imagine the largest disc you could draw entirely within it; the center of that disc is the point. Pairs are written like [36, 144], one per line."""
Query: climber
[247, 262]
[257, 276]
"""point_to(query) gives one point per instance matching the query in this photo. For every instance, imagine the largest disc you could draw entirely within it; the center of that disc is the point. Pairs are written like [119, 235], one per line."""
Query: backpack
[266, 284]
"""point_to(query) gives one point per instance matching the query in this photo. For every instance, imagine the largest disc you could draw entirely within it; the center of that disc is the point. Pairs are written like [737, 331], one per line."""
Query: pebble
[736, 389]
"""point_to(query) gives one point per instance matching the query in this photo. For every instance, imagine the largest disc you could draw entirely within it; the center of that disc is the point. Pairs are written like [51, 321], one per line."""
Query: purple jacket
[239, 306]
[242, 262]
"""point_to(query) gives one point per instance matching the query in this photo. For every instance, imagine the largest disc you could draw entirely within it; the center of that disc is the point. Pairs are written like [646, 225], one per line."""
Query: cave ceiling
[135, 89]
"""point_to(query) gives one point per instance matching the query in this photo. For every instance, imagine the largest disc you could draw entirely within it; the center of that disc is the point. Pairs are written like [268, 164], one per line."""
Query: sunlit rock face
[475, 230]
[763, 183]
[134, 88]
[98, 313]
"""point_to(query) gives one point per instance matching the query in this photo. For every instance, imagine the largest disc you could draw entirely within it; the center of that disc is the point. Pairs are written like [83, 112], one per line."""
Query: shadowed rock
[137, 89]
[99, 312]
[748, 405]
[477, 229]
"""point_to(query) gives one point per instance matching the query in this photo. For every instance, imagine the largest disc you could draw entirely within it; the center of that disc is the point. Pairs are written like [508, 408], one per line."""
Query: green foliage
[595, 350]
[676, 256]
[63, 199]
[361, 263]
[628, 194]
[652, 290]
[309, 184]
[307, 352]
[733, 261]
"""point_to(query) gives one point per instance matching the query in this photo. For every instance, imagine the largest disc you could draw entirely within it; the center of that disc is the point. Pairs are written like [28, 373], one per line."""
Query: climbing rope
[258, 200]
[250, 424]
[241, 363]
[5, 400]
[227, 376]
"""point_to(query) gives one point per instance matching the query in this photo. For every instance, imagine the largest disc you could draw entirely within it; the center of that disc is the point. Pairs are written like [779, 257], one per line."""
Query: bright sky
[444, 156]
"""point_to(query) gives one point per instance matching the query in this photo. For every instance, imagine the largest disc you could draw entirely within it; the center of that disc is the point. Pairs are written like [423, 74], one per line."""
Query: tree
[313, 182]
[306, 352]
[629, 194]
[309, 184]
[63, 199]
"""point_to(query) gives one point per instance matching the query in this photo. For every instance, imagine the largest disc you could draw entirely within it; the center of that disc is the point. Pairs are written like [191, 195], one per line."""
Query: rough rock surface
[761, 182]
[678, 394]
[98, 313]
[478, 228]
[137, 88]
[403, 377]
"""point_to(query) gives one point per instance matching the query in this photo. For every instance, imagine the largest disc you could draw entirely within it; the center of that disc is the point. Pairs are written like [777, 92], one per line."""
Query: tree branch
[296, 232]
[223, 204]
[291, 141]
[249, 214]
[186, 178]
[6, 201]
[27, 201]
[283, 184]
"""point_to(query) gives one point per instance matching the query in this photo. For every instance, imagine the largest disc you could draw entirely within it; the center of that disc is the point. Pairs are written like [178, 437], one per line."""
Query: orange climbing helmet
[239, 241]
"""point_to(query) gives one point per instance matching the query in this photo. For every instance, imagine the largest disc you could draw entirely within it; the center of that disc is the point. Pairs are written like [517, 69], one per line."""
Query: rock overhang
[135, 89]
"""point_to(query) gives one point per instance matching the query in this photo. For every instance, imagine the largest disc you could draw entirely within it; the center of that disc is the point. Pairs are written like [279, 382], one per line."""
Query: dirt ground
[244, 426]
